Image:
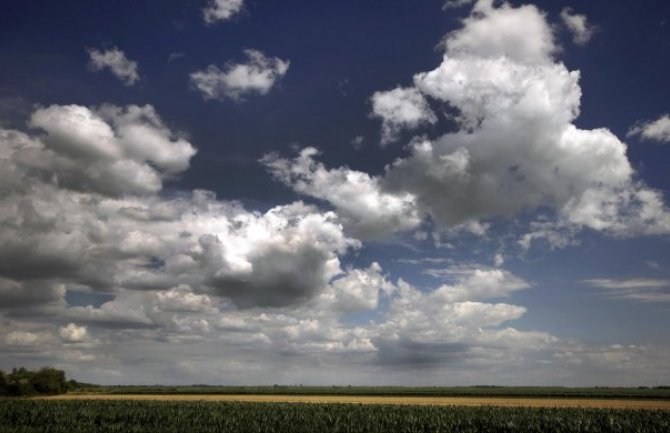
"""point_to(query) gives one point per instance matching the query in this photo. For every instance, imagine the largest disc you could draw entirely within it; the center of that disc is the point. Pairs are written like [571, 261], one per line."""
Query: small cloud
[357, 142]
[655, 130]
[452, 4]
[498, 260]
[71, 333]
[400, 109]
[425, 260]
[556, 236]
[421, 235]
[653, 265]
[116, 61]
[342, 86]
[175, 56]
[467, 283]
[221, 10]
[581, 30]
[258, 75]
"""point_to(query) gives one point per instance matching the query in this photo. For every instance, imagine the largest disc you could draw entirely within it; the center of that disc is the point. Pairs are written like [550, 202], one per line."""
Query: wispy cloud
[116, 61]
[451, 4]
[634, 289]
[653, 265]
[425, 260]
[582, 31]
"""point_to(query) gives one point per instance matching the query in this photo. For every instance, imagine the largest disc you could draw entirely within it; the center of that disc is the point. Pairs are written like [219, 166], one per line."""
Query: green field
[68, 416]
[662, 393]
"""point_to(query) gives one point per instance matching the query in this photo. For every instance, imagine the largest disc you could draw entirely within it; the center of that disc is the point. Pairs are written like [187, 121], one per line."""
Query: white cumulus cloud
[517, 148]
[477, 283]
[656, 130]
[221, 10]
[236, 81]
[72, 333]
[109, 150]
[400, 108]
[358, 290]
[86, 211]
[364, 208]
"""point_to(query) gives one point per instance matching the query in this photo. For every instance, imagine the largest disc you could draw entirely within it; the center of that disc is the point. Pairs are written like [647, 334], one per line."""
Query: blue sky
[244, 192]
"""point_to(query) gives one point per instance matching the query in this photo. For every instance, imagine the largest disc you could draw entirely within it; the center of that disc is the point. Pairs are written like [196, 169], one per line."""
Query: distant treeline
[642, 392]
[23, 382]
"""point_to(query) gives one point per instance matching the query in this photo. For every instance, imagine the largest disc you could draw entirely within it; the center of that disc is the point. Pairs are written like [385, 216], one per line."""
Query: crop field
[383, 399]
[106, 416]
[553, 392]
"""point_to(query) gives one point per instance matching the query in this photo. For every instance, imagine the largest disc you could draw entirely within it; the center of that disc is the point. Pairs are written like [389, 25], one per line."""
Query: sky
[342, 192]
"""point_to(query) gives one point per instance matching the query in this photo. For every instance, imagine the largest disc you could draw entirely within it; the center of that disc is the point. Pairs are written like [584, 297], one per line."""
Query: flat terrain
[155, 414]
[386, 400]
[553, 392]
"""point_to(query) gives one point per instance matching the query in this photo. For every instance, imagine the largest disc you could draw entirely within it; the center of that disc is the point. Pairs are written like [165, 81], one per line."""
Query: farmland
[609, 403]
[553, 392]
[23, 415]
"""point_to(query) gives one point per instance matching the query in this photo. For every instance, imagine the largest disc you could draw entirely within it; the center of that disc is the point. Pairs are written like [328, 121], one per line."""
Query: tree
[3, 383]
[45, 381]
[49, 381]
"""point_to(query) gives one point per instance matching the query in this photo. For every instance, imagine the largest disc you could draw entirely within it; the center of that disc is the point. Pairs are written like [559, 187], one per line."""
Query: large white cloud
[413, 329]
[364, 208]
[258, 75]
[283, 256]
[286, 255]
[195, 269]
[520, 34]
[109, 150]
[92, 253]
[517, 148]
[79, 220]
[357, 290]
[450, 326]
[116, 61]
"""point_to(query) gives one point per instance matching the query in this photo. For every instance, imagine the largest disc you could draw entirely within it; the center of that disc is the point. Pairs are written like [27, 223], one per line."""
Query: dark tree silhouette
[25, 382]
